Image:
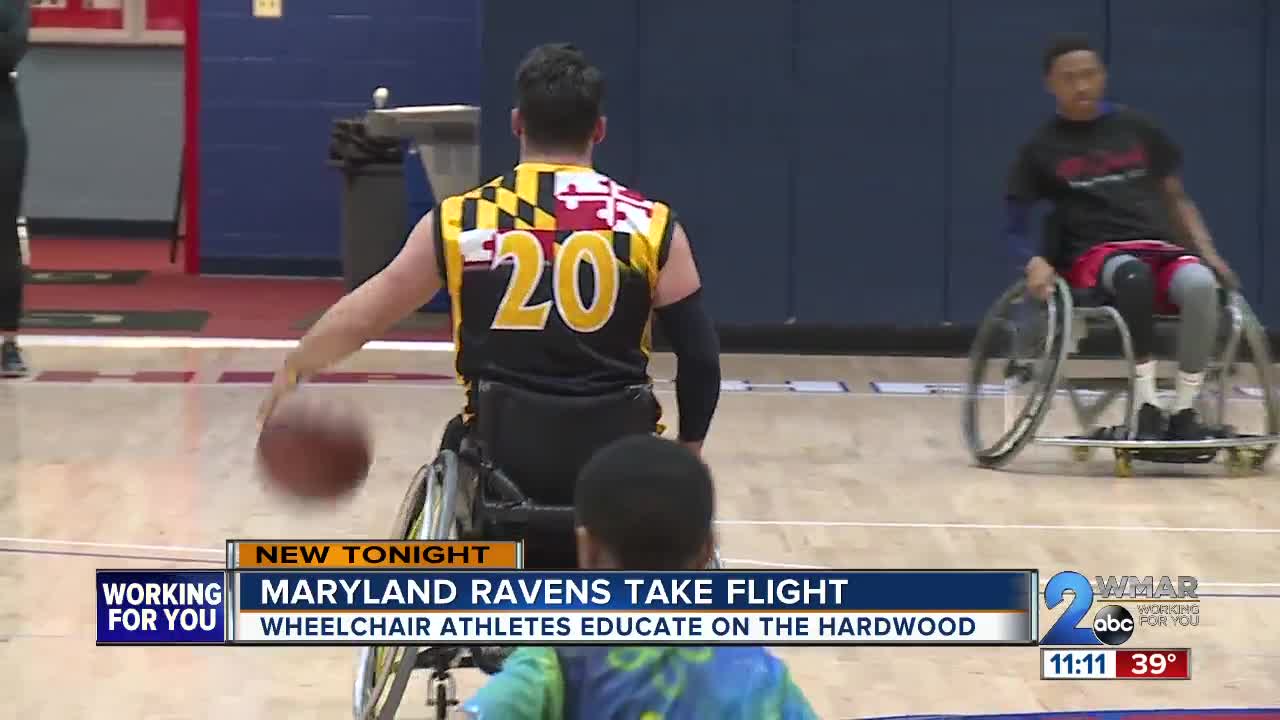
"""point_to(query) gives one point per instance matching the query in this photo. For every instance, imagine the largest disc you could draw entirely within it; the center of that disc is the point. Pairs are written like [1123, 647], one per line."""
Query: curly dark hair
[560, 96]
[1063, 44]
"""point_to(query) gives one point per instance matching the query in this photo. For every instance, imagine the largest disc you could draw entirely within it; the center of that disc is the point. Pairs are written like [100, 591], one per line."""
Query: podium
[447, 138]
[447, 142]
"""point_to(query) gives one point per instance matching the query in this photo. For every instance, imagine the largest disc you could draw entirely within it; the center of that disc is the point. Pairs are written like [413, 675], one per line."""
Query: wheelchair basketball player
[554, 271]
[1123, 227]
[642, 504]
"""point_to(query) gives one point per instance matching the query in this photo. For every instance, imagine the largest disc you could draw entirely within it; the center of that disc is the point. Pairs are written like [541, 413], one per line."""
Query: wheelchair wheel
[426, 513]
[1213, 402]
[1014, 369]
[716, 563]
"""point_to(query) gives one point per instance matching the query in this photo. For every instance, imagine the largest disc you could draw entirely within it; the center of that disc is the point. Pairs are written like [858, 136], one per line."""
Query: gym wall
[843, 163]
[269, 92]
[836, 163]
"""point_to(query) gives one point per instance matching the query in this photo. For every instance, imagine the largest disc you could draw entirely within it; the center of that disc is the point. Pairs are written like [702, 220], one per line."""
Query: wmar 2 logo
[1112, 624]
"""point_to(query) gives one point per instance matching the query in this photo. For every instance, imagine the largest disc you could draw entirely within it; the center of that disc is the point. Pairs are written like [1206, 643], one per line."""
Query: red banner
[166, 15]
[77, 14]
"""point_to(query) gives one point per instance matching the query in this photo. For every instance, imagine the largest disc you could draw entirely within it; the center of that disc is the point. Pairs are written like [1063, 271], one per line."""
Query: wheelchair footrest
[1116, 441]
[443, 659]
[1177, 456]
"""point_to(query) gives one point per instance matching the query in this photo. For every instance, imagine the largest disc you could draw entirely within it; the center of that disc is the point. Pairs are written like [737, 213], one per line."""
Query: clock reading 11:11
[1111, 664]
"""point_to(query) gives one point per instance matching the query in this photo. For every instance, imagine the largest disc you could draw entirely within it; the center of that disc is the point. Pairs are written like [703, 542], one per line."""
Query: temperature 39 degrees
[1112, 664]
[1153, 664]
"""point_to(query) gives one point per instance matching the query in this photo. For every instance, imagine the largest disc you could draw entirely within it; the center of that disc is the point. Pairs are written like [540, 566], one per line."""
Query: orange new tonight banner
[419, 554]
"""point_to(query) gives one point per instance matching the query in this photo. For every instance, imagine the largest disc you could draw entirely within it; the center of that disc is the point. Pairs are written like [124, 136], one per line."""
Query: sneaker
[1186, 425]
[1151, 423]
[11, 365]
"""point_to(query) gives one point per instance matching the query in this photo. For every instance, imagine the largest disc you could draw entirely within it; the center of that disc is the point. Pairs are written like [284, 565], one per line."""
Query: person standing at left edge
[15, 20]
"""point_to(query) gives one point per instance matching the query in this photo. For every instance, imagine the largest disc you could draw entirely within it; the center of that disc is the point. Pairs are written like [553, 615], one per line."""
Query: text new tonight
[303, 591]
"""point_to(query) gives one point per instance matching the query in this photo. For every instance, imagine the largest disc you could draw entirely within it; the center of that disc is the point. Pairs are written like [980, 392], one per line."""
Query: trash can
[374, 226]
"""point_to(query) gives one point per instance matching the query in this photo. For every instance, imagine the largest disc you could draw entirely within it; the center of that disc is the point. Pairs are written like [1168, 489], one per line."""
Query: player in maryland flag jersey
[627, 489]
[554, 269]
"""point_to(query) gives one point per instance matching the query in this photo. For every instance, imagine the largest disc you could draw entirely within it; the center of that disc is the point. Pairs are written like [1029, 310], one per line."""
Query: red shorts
[1163, 258]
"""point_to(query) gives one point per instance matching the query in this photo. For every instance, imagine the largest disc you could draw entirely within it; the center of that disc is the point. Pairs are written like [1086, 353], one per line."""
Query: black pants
[543, 550]
[542, 442]
[13, 176]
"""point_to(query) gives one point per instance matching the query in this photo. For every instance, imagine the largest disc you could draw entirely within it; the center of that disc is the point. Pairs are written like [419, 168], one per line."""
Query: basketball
[314, 450]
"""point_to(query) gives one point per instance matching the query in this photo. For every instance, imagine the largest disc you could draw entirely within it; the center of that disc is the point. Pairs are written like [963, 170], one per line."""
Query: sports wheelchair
[1026, 345]
[465, 494]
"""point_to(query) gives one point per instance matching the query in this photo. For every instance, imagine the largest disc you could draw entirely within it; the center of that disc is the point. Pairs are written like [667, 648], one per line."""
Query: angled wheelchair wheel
[428, 512]
[1253, 376]
[716, 563]
[1014, 368]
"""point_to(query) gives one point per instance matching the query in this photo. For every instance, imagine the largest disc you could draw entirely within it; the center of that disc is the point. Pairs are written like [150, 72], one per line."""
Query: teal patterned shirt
[641, 683]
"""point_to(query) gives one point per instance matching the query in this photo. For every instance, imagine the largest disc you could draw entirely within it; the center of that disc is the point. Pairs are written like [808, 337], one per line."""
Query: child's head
[645, 503]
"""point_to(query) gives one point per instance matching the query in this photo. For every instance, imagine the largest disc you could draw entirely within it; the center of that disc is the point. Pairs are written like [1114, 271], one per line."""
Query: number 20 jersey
[551, 270]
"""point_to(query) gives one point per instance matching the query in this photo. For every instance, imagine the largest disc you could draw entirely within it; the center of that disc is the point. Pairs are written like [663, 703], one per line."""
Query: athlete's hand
[284, 382]
[1040, 275]
[1226, 275]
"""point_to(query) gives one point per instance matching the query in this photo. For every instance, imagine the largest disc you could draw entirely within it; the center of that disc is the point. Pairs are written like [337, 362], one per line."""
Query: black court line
[110, 556]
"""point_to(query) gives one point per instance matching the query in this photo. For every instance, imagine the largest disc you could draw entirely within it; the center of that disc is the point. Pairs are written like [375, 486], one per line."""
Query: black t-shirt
[1104, 177]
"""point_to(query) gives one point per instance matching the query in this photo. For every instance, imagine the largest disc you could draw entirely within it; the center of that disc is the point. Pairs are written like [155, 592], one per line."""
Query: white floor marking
[109, 546]
[190, 343]
[730, 562]
[999, 526]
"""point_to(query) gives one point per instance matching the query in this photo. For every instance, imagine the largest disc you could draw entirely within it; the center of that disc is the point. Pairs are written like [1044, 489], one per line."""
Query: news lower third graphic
[1142, 607]
[154, 607]
[1114, 664]
[336, 593]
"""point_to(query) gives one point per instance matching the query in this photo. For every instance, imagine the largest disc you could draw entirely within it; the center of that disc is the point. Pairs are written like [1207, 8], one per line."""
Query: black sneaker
[1186, 425]
[11, 365]
[1151, 423]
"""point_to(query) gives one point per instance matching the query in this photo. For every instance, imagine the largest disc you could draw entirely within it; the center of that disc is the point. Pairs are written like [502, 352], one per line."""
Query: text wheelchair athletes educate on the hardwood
[298, 593]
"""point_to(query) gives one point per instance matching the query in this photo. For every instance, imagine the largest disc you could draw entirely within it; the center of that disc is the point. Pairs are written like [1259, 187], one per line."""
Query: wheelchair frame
[487, 495]
[1067, 325]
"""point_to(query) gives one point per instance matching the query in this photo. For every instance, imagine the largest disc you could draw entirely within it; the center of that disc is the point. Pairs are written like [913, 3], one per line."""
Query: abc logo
[1113, 625]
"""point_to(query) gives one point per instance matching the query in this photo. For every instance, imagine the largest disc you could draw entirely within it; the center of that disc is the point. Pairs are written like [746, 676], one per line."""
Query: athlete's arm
[408, 283]
[1025, 189]
[529, 687]
[1188, 218]
[1166, 165]
[678, 306]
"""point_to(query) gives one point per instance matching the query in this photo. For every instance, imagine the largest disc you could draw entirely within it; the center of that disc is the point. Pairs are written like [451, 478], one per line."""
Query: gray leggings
[1194, 289]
